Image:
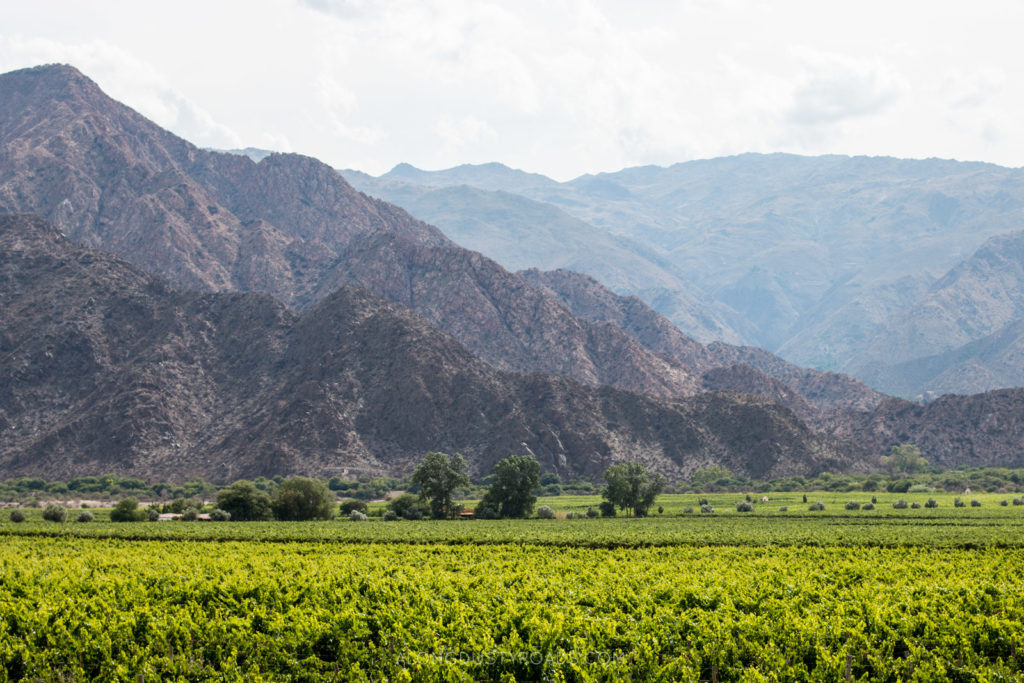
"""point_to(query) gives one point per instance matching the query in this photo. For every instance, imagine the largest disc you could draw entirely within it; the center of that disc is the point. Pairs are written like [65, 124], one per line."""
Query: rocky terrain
[822, 260]
[294, 324]
[109, 369]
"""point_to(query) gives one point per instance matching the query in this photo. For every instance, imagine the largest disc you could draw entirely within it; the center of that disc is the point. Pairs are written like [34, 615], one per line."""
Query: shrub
[783, 508]
[356, 516]
[545, 512]
[957, 503]
[816, 506]
[55, 513]
[190, 515]
[744, 506]
[391, 516]
[900, 505]
[932, 503]
[1004, 502]
[348, 506]
[868, 506]
[17, 516]
[852, 505]
[915, 506]
[591, 512]
[607, 508]
[152, 514]
[1018, 501]
[218, 515]
[661, 510]
[975, 503]
[707, 509]
[687, 510]
[84, 517]
[127, 511]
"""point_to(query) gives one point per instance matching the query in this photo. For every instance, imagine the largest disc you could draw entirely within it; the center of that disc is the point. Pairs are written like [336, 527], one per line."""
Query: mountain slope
[964, 333]
[108, 369]
[288, 226]
[815, 258]
[523, 233]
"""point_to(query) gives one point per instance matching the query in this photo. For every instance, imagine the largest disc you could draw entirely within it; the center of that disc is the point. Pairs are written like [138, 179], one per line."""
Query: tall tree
[512, 492]
[438, 476]
[245, 502]
[301, 498]
[631, 487]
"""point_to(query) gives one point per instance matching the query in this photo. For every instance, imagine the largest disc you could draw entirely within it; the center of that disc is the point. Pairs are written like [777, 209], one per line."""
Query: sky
[559, 87]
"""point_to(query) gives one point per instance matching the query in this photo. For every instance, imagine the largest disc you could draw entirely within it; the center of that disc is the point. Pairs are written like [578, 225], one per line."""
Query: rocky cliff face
[107, 368]
[288, 226]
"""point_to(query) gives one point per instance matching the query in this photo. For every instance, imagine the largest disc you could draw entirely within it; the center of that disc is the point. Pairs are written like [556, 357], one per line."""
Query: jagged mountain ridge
[817, 257]
[288, 226]
[107, 368]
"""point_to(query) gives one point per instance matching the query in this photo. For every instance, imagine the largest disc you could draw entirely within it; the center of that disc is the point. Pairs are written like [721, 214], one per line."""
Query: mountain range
[828, 261]
[169, 309]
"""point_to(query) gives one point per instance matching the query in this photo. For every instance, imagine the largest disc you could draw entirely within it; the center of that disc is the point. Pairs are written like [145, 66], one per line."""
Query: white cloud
[837, 87]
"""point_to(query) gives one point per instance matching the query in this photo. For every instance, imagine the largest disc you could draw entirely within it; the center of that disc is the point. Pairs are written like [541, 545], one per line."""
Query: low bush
[915, 506]
[1004, 502]
[687, 510]
[55, 513]
[218, 515]
[591, 512]
[356, 516]
[816, 506]
[957, 503]
[545, 512]
[607, 508]
[744, 506]
[900, 505]
[852, 505]
[190, 515]
[84, 517]
[706, 508]
[932, 503]
[1018, 501]
[783, 508]
[17, 516]
[975, 503]
[868, 506]
[391, 516]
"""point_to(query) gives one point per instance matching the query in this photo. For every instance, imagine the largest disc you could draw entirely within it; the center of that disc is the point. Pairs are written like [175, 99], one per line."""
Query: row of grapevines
[115, 610]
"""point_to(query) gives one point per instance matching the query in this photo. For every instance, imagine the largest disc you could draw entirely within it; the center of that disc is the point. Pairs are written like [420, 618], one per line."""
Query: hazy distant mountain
[521, 233]
[818, 256]
[965, 334]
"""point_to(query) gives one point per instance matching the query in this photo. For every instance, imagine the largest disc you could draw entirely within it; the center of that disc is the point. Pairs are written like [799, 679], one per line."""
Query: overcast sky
[560, 88]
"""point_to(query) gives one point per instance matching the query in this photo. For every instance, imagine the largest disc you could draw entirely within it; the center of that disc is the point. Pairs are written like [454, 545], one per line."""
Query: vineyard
[916, 594]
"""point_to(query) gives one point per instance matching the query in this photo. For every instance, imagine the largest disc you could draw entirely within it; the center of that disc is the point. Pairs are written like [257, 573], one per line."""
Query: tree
[904, 459]
[127, 511]
[406, 506]
[301, 498]
[438, 476]
[245, 502]
[632, 488]
[706, 477]
[511, 492]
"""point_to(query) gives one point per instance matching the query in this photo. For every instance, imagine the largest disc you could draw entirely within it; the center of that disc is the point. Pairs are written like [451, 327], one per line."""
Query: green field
[915, 594]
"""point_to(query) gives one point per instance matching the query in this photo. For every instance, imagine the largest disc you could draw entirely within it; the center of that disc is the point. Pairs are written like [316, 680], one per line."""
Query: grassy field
[918, 594]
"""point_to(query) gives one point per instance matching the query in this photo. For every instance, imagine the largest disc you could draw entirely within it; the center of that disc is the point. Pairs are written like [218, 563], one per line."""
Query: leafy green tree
[438, 476]
[904, 459]
[511, 492]
[127, 511]
[302, 498]
[245, 502]
[632, 488]
[706, 477]
[407, 506]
